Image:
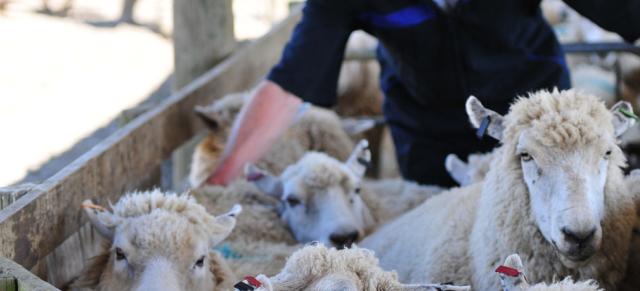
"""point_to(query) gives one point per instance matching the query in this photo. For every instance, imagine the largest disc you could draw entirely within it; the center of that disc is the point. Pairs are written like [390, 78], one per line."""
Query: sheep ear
[267, 183]
[477, 114]
[355, 126]
[458, 170]
[204, 115]
[225, 223]
[102, 220]
[360, 158]
[623, 117]
[434, 287]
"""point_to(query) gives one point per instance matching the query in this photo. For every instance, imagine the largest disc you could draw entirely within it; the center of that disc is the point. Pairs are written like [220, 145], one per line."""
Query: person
[433, 55]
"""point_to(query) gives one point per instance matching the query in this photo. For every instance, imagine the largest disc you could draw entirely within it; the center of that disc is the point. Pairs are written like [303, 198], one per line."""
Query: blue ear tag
[484, 124]
[364, 162]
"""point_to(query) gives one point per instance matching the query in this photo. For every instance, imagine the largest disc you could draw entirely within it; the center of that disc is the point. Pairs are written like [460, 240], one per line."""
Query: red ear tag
[253, 281]
[254, 177]
[508, 271]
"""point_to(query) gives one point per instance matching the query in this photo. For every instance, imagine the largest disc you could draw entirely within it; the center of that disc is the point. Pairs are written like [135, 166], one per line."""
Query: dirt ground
[62, 78]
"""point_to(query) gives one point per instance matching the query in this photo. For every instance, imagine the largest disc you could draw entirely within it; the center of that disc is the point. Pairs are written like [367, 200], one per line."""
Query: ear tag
[248, 284]
[364, 162]
[628, 114]
[482, 129]
[511, 272]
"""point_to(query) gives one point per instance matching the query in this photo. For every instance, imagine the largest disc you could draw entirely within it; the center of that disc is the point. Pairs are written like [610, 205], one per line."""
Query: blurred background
[73, 71]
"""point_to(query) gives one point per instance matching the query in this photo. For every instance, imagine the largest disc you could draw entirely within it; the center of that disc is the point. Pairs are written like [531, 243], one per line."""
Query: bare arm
[262, 120]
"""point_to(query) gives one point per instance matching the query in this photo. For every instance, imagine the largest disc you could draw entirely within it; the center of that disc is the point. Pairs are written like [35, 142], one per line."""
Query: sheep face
[320, 198]
[332, 213]
[566, 189]
[148, 253]
[564, 153]
[160, 242]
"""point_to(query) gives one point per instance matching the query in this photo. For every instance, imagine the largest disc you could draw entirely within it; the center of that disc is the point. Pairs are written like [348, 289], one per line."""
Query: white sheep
[158, 241]
[515, 279]
[316, 267]
[315, 129]
[323, 199]
[554, 193]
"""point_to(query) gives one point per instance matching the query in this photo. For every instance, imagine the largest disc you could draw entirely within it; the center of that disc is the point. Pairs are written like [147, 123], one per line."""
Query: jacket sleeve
[620, 16]
[311, 60]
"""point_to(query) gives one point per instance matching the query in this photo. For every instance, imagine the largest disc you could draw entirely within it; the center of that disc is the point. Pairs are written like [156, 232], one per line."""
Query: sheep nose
[343, 239]
[578, 237]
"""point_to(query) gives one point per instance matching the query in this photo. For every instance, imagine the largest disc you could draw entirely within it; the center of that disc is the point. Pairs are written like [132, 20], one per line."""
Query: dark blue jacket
[433, 60]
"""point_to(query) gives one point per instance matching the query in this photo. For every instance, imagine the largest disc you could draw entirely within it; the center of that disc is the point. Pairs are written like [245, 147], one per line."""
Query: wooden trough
[45, 230]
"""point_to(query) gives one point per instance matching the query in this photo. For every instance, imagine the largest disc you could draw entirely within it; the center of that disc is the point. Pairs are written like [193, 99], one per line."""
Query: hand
[223, 174]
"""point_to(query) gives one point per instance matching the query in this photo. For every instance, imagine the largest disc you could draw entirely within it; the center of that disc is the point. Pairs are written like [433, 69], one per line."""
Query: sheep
[316, 129]
[517, 280]
[321, 198]
[158, 241]
[316, 267]
[563, 142]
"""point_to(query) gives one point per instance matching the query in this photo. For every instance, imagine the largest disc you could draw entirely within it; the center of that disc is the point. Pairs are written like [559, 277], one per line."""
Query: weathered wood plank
[43, 219]
[17, 276]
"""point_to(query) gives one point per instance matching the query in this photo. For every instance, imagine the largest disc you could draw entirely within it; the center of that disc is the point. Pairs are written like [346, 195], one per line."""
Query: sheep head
[319, 197]
[159, 242]
[564, 146]
[316, 267]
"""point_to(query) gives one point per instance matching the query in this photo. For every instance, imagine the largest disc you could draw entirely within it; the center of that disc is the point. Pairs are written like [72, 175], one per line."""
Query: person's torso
[434, 57]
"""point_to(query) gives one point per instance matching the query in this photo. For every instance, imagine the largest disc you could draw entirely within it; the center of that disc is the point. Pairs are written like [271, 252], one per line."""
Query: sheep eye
[525, 157]
[357, 190]
[120, 255]
[607, 154]
[293, 201]
[200, 262]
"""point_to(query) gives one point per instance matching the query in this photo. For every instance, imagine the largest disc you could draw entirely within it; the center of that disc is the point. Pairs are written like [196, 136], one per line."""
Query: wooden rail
[44, 218]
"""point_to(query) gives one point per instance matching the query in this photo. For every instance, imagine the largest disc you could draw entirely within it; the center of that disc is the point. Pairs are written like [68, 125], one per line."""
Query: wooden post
[202, 37]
